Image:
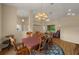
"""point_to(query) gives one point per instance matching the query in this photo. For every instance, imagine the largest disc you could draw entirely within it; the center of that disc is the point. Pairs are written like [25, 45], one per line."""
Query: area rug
[53, 50]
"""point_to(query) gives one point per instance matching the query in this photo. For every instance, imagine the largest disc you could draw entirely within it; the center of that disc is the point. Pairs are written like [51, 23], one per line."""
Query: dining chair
[44, 43]
[19, 48]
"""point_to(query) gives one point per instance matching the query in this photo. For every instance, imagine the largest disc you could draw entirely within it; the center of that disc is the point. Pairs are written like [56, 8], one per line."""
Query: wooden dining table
[31, 42]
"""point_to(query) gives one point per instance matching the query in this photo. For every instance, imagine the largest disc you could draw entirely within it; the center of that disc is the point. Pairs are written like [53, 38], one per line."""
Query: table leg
[29, 51]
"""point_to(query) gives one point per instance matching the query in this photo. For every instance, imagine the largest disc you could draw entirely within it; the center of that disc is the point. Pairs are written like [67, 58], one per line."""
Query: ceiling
[54, 10]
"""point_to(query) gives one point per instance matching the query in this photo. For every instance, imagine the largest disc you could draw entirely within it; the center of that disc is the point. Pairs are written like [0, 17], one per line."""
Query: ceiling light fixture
[69, 9]
[22, 20]
[73, 14]
[42, 16]
[68, 13]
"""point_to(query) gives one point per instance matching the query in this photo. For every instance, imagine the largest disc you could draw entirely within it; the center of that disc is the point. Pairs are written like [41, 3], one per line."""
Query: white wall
[9, 21]
[0, 21]
[70, 29]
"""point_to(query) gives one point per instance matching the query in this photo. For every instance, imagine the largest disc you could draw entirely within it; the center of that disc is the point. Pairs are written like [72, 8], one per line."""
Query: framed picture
[51, 28]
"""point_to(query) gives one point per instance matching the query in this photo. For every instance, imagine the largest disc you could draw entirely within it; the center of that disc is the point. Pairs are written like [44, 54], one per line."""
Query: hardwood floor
[69, 48]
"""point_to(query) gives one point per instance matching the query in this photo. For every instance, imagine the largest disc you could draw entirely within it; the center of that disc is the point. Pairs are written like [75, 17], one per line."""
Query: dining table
[31, 42]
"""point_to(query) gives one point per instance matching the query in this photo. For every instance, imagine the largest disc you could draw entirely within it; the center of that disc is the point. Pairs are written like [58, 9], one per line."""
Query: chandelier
[41, 16]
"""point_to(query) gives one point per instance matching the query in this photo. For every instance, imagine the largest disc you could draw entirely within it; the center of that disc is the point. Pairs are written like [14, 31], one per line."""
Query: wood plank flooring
[67, 46]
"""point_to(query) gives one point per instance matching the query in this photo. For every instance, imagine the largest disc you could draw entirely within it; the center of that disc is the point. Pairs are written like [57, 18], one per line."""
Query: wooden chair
[19, 48]
[44, 43]
[29, 34]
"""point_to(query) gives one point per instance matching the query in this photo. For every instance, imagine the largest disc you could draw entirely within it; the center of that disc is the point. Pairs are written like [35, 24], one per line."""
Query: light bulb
[22, 20]
[69, 9]
[73, 14]
[68, 13]
[36, 16]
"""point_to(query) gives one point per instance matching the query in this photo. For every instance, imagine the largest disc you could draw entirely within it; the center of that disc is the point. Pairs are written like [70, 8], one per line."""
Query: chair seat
[22, 51]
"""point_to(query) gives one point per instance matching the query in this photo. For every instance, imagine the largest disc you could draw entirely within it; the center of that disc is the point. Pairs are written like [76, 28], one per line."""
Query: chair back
[44, 43]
